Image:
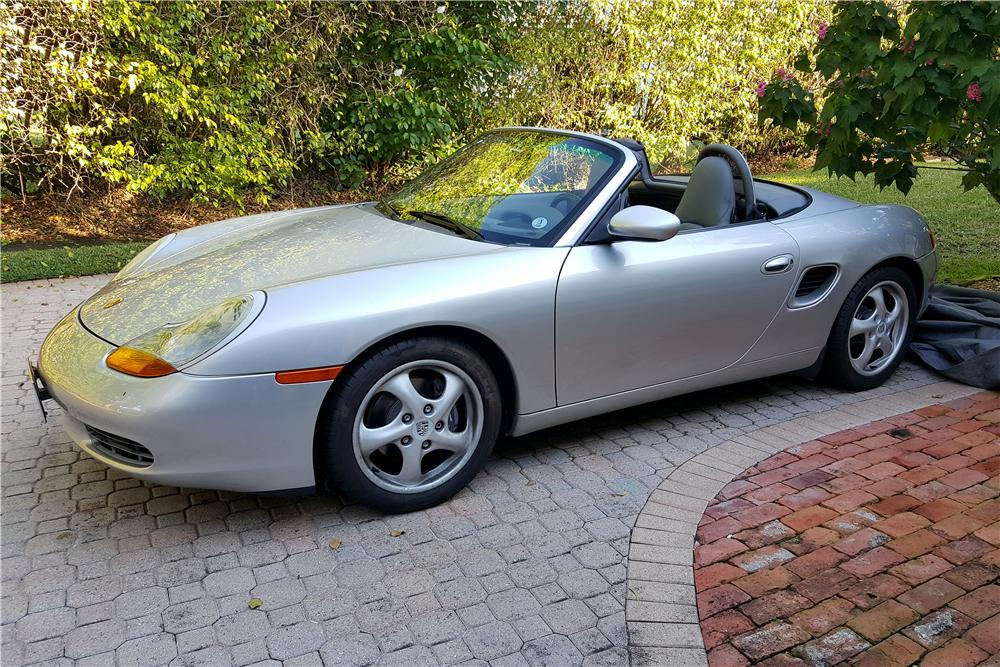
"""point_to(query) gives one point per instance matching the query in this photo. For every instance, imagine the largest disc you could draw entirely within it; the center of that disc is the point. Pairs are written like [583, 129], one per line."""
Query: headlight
[166, 349]
[144, 257]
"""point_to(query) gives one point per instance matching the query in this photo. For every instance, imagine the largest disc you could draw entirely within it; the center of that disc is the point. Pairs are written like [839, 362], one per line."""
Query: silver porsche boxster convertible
[532, 278]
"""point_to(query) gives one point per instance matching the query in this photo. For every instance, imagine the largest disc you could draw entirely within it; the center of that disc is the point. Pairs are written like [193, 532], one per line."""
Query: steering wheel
[749, 200]
[569, 197]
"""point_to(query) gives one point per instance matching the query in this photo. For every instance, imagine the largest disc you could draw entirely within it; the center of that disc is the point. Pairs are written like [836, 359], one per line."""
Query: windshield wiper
[448, 223]
[384, 204]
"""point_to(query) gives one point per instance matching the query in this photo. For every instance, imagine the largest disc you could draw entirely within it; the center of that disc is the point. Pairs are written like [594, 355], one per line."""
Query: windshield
[517, 187]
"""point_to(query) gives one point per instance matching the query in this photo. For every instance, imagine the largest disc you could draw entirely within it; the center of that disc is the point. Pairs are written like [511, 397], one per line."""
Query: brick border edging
[661, 612]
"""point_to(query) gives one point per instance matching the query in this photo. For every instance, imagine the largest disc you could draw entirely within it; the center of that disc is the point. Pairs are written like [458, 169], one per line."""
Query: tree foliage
[893, 90]
[213, 97]
[437, 71]
[661, 72]
[217, 96]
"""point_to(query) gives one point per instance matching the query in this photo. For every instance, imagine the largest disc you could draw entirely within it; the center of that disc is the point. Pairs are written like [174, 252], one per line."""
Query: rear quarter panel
[855, 240]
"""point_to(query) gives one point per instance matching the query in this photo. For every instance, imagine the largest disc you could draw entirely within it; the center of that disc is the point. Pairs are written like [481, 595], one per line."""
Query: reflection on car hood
[266, 252]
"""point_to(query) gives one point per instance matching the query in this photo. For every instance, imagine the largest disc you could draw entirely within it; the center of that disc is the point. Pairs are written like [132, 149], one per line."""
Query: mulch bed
[873, 547]
[117, 215]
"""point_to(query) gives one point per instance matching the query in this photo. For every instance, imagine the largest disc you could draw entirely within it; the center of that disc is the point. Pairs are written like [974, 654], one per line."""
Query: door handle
[779, 264]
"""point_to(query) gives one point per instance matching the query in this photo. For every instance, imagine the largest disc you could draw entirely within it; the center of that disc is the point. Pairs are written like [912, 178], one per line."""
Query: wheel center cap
[881, 329]
[423, 428]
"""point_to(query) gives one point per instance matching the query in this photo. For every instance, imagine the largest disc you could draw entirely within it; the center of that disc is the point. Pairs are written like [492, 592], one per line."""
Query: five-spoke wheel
[418, 426]
[873, 330]
[410, 424]
[878, 328]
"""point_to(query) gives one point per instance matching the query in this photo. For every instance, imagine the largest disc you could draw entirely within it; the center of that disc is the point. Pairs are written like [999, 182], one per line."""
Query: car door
[635, 313]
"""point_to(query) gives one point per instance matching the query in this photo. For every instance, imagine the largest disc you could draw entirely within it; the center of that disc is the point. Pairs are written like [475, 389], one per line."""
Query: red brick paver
[873, 547]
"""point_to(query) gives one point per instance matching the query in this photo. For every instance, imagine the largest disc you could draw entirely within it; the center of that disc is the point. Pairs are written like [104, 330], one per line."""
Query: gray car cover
[959, 335]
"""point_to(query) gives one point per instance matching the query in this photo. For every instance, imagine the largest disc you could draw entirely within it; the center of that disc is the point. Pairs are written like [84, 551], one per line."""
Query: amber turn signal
[139, 364]
[308, 375]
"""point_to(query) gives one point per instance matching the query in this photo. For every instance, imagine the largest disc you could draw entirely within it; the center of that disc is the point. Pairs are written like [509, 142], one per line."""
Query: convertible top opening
[773, 200]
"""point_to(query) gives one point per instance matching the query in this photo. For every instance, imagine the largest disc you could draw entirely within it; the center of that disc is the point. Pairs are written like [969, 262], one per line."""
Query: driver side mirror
[644, 222]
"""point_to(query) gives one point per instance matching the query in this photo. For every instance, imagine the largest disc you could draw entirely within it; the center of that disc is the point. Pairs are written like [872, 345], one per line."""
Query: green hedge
[218, 97]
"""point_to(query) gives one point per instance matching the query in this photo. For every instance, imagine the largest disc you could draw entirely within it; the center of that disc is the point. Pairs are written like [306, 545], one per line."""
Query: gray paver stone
[583, 583]
[242, 627]
[359, 651]
[45, 624]
[330, 604]
[294, 640]
[95, 638]
[436, 627]
[190, 615]
[206, 657]
[279, 593]
[590, 641]
[512, 604]
[568, 617]
[141, 602]
[147, 651]
[381, 615]
[459, 593]
[613, 657]
[552, 651]
[229, 582]
[491, 641]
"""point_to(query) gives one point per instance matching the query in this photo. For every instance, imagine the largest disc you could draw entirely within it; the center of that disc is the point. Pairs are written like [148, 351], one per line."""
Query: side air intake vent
[813, 279]
[124, 451]
[816, 283]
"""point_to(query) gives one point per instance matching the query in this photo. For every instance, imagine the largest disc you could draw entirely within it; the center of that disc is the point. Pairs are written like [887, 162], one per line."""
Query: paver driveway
[526, 566]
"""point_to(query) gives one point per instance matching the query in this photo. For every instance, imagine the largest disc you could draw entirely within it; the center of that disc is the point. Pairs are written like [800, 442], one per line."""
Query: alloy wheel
[418, 426]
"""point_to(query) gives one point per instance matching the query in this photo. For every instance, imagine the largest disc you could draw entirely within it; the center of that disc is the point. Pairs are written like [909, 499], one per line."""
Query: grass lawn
[61, 262]
[966, 225]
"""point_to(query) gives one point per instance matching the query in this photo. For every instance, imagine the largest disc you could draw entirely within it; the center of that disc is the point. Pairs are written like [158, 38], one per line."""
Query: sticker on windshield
[539, 223]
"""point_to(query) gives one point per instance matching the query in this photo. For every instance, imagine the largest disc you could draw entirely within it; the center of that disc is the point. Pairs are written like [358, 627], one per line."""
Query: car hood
[219, 261]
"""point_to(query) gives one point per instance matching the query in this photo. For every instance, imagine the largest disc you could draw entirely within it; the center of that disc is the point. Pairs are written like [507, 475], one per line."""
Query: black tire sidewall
[837, 366]
[335, 457]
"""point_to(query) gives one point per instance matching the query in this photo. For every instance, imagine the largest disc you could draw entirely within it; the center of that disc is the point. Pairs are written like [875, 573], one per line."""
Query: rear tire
[409, 425]
[872, 331]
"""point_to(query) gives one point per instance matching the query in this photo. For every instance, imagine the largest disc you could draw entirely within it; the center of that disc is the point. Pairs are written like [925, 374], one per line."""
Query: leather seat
[710, 199]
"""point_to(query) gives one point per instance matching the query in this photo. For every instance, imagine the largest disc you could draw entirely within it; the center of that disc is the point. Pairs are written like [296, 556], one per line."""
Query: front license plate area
[41, 393]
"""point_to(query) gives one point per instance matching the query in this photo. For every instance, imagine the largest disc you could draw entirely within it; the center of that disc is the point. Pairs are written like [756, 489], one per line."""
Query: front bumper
[237, 433]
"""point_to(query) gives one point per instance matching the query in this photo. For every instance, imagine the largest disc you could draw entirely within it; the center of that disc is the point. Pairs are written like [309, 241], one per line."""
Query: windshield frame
[581, 216]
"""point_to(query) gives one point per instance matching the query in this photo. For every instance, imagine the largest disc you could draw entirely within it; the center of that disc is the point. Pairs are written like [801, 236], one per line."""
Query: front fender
[507, 295]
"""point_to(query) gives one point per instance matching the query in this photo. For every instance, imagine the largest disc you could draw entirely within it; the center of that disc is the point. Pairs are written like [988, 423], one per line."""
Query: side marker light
[308, 375]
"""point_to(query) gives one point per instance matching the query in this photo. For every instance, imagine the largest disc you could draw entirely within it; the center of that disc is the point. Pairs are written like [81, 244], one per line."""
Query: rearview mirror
[644, 222]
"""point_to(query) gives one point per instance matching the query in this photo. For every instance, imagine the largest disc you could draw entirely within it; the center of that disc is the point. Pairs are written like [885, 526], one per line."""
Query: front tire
[409, 425]
[872, 331]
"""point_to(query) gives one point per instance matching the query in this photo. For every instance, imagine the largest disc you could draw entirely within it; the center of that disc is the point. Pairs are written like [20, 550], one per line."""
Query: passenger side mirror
[644, 222]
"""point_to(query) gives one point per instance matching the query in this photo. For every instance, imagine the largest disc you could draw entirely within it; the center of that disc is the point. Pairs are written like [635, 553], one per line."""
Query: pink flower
[973, 93]
[930, 62]
[822, 30]
[840, 83]
[779, 72]
[823, 131]
[863, 75]
[788, 77]
[760, 89]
